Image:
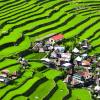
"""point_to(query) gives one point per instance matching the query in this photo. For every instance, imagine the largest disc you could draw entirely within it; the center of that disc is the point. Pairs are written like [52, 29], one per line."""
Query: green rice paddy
[23, 22]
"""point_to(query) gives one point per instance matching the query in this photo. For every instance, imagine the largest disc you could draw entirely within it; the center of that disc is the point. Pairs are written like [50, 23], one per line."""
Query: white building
[75, 50]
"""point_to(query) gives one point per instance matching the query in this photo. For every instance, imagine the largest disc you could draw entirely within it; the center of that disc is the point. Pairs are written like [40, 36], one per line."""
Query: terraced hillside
[25, 21]
[20, 20]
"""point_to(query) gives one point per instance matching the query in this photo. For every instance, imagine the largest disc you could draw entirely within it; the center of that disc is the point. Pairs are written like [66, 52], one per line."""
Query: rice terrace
[49, 49]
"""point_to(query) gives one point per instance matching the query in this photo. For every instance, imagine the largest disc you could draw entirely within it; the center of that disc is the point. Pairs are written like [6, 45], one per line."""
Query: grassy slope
[81, 94]
[42, 90]
[61, 92]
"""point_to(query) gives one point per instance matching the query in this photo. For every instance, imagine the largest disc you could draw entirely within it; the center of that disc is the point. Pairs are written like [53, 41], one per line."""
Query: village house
[47, 47]
[41, 49]
[86, 45]
[86, 63]
[66, 56]
[76, 51]
[50, 48]
[15, 74]
[84, 56]
[98, 58]
[5, 72]
[67, 65]
[77, 61]
[98, 64]
[97, 91]
[46, 60]
[68, 79]
[37, 46]
[23, 62]
[59, 48]
[56, 38]
[4, 79]
[86, 74]
[53, 54]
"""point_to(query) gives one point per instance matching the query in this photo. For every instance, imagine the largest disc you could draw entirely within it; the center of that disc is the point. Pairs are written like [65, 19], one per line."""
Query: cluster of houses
[77, 64]
[47, 44]
[6, 77]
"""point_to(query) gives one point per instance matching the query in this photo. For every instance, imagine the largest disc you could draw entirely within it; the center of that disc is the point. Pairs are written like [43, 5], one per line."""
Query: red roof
[58, 37]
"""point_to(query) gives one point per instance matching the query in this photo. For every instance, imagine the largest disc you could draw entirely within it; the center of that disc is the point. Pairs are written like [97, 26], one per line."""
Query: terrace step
[22, 89]
[42, 90]
[24, 45]
[61, 92]
[7, 62]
